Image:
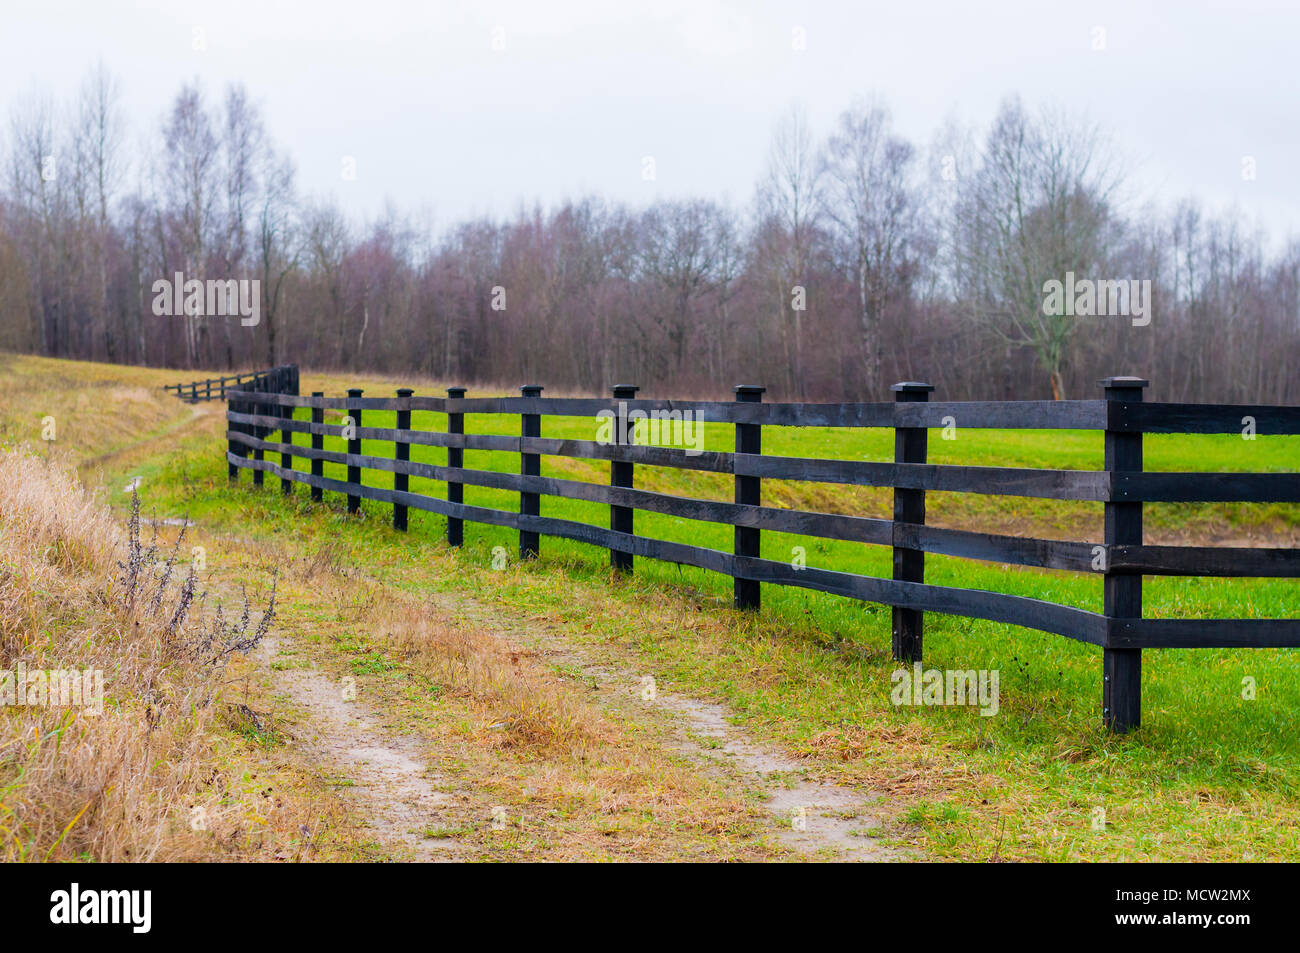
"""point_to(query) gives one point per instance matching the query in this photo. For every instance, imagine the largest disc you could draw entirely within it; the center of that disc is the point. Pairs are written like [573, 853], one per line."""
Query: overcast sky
[437, 119]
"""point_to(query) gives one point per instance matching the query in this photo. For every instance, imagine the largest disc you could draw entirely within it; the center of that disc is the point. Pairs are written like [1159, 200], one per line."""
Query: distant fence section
[1123, 486]
[281, 380]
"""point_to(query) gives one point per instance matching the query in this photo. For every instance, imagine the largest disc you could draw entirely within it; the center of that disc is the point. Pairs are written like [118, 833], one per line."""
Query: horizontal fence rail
[278, 379]
[267, 407]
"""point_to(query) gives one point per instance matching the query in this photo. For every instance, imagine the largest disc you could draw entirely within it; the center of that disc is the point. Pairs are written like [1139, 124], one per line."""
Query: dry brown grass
[468, 660]
[98, 409]
[119, 785]
[534, 709]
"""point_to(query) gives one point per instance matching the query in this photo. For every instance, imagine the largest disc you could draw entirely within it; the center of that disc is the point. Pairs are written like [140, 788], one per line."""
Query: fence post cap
[912, 387]
[531, 390]
[355, 392]
[1134, 382]
[456, 392]
[404, 392]
[318, 393]
[625, 390]
[750, 389]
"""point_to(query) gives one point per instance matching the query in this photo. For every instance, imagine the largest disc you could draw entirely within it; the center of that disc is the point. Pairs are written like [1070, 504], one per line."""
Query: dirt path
[816, 819]
[809, 816]
[163, 440]
[392, 787]
[391, 784]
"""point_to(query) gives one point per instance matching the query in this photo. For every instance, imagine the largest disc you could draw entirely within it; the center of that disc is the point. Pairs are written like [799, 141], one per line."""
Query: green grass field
[1210, 775]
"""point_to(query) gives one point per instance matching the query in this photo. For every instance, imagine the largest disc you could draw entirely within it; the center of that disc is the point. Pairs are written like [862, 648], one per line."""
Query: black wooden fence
[282, 379]
[1123, 486]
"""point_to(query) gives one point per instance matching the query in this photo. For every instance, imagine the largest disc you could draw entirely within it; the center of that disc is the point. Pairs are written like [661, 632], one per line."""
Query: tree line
[863, 258]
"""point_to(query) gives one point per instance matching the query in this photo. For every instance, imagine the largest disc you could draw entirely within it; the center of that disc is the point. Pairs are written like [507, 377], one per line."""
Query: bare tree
[33, 170]
[871, 200]
[680, 253]
[1036, 208]
[326, 237]
[189, 171]
[278, 249]
[245, 163]
[98, 171]
[788, 205]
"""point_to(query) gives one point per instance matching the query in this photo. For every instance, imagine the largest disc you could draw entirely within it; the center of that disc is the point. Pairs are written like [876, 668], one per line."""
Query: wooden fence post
[286, 437]
[286, 456]
[402, 481]
[1121, 692]
[455, 460]
[257, 430]
[620, 474]
[354, 449]
[317, 443]
[194, 392]
[232, 445]
[292, 390]
[530, 464]
[749, 439]
[910, 446]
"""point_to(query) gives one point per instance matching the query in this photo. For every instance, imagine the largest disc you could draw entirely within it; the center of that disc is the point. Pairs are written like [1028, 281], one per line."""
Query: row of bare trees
[861, 260]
